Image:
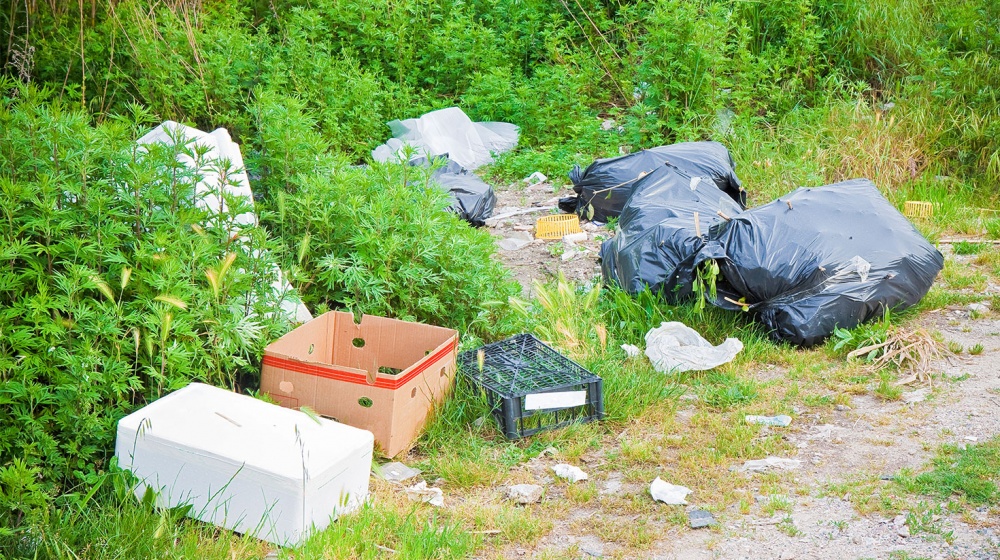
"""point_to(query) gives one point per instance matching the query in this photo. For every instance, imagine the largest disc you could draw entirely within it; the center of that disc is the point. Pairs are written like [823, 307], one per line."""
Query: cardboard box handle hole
[365, 402]
[413, 393]
[358, 342]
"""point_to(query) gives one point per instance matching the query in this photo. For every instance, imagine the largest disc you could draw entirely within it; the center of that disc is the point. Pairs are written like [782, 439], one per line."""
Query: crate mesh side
[520, 365]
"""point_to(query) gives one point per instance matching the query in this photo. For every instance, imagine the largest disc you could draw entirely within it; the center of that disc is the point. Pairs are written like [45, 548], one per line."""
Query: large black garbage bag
[472, 199]
[604, 187]
[821, 258]
[657, 240]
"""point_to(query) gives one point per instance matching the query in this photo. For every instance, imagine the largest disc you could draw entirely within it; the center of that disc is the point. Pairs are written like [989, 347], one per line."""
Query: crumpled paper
[667, 493]
[569, 472]
[420, 492]
[760, 465]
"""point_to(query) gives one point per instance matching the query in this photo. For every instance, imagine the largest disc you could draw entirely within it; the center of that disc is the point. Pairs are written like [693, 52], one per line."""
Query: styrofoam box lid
[242, 430]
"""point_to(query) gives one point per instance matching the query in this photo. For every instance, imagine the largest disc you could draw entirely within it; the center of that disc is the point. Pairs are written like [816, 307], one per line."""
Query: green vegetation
[114, 290]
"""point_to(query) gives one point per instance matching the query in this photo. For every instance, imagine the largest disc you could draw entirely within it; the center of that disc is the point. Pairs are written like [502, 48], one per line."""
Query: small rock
[971, 438]
[760, 465]
[513, 243]
[699, 518]
[914, 397]
[608, 124]
[523, 227]
[903, 531]
[524, 493]
[899, 520]
[843, 407]
[572, 238]
[591, 226]
[978, 309]
[595, 550]
[781, 420]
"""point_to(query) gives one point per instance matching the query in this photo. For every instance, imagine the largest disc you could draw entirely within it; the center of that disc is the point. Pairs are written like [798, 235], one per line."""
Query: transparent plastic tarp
[448, 132]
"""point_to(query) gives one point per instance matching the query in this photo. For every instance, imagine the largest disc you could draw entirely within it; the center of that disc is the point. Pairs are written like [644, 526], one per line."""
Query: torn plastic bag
[674, 347]
[472, 199]
[449, 132]
[821, 258]
[657, 240]
[605, 186]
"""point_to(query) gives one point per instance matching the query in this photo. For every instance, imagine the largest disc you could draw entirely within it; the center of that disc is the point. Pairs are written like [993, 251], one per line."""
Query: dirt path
[866, 441]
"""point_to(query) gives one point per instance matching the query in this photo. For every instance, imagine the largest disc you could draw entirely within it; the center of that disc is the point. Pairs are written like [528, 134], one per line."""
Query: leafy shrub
[379, 241]
[112, 287]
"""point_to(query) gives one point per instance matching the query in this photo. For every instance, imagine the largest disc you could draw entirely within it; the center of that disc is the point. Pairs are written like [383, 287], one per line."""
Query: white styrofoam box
[244, 464]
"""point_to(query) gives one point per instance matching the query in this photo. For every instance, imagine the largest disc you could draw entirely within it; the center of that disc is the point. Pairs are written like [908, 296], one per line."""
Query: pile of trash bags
[805, 264]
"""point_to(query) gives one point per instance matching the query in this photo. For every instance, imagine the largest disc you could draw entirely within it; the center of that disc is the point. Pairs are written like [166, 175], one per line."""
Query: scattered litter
[699, 518]
[449, 132]
[535, 178]
[398, 472]
[971, 438]
[513, 243]
[675, 347]
[781, 420]
[979, 308]
[667, 493]
[760, 465]
[913, 397]
[494, 221]
[569, 472]
[572, 238]
[572, 253]
[420, 492]
[631, 351]
[608, 124]
[524, 493]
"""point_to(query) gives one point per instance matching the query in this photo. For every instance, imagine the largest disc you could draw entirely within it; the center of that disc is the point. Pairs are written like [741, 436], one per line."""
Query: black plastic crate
[521, 366]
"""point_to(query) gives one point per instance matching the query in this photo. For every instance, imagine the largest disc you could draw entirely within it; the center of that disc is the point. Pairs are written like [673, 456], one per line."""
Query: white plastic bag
[675, 347]
[449, 132]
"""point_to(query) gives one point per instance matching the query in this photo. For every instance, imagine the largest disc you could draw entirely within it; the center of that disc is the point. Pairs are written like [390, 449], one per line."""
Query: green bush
[379, 241]
[113, 289]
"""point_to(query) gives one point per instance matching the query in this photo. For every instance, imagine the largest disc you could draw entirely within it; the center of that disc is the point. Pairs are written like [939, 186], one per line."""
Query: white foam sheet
[244, 464]
[210, 191]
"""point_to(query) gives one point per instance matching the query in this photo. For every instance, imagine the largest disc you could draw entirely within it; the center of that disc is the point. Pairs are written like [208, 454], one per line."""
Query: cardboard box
[382, 375]
[245, 464]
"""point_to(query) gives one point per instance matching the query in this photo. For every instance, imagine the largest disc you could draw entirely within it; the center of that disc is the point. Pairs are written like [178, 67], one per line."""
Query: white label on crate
[566, 399]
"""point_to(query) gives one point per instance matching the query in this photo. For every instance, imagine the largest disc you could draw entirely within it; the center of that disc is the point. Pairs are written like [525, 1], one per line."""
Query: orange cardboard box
[382, 375]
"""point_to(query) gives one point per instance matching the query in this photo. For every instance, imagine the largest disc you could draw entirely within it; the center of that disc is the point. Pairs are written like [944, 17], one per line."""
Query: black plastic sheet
[605, 186]
[472, 199]
[821, 258]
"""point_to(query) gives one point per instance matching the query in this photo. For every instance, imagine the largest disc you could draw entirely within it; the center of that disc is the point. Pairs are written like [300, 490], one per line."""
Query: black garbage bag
[657, 239]
[821, 258]
[472, 199]
[604, 187]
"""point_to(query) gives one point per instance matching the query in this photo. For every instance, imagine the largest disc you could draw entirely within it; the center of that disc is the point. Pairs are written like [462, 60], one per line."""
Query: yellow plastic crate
[918, 209]
[556, 226]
